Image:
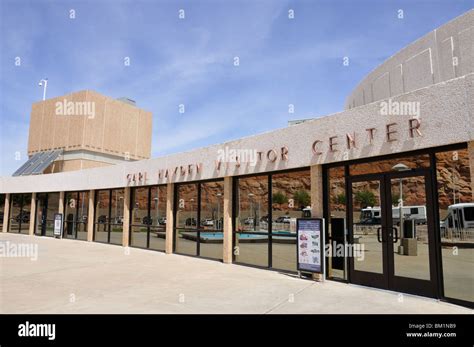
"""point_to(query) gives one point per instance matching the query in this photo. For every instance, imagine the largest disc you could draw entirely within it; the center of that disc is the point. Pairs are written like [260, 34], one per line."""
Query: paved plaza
[72, 276]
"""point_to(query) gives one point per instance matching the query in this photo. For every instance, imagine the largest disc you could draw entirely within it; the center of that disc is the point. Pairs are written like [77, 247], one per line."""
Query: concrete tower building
[84, 130]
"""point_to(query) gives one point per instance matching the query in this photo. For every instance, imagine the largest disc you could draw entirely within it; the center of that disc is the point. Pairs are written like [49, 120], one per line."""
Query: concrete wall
[116, 128]
[446, 116]
[441, 55]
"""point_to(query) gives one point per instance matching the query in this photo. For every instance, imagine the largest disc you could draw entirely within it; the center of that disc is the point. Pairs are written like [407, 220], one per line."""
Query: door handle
[396, 235]
[378, 234]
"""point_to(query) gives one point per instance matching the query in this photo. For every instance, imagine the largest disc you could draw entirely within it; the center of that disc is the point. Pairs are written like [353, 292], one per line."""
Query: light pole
[218, 211]
[44, 83]
[157, 216]
[252, 211]
[400, 168]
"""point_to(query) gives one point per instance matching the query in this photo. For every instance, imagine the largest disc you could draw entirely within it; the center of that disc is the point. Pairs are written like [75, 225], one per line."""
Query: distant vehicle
[208, 222]
[147, 220]
[264, 219]
[118, 220]
[162, 221]
[248, 221]
[372, 215]
[191, 222]
[283, 219]
[102, 219]
[23, 217]
[460, 217]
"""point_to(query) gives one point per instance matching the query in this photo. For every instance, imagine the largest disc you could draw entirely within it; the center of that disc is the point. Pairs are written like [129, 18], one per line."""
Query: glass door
[368, 259]
[410, 225]
[392, 232]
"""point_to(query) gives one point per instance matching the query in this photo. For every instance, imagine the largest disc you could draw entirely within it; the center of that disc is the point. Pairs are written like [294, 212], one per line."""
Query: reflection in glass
[75, 215]
[20, 213]
[252, 204]
[367, 227]
[116, 217]
[187, 219]
[251, 249]
[410, 228]
[380, 166]
[102, 204]
[337, 222]
[291, 198]
[82, 215]
[456, 212]
[158, 218]
[139, 219]
[108, 224]
[211, 236]
[252, 218]
[2, 209]
[148, 218]
[47, 204]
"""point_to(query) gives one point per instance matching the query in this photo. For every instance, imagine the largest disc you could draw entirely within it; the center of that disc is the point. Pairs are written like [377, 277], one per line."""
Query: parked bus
[459, 222]
[372, 215]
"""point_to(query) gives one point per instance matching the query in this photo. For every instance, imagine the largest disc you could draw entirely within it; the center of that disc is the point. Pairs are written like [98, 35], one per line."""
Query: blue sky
[174, 61]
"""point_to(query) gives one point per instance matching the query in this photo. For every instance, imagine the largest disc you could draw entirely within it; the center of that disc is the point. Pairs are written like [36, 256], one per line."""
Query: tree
[395, 199]
[365, 198]
[279, 198]
[340, 199]
[302, 198]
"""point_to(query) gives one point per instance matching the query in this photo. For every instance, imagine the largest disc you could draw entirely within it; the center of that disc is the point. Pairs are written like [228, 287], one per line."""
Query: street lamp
[252, 210]
[218, 211]
[400, 168]
[44, 83]
[155, 199]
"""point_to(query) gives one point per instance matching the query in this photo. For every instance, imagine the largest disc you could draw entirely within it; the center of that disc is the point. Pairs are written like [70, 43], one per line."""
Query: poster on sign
[310, 244]
[58, 224]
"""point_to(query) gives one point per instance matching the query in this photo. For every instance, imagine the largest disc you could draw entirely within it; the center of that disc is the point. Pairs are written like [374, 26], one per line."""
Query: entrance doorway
[391, 224]
[47, 204]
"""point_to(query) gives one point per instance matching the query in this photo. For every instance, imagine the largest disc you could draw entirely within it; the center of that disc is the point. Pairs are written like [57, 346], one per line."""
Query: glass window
[337, 262]
[211, 235]
[259, 233]
[108, 223]
[199, 210]
[76, 214]
[82, 215]
[2, 208]
[47, 204]
[148, 218]
[251, 221]
[158, 218]
[139, 219]
[291, 198]
[456, 206]
[116, 217]
[413, 162]
[20, 213]
[101, 223]
[187, 219]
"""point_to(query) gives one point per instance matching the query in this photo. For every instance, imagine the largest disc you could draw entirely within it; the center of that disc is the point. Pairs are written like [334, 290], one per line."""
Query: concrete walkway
[84, 277]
